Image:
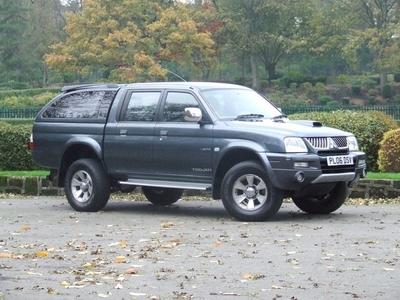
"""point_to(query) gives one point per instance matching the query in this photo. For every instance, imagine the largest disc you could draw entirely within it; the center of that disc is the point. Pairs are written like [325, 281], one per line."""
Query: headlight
[295, 145]
[352, 143]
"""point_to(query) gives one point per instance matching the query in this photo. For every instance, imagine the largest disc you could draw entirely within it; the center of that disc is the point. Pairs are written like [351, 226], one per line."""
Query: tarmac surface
[194, 250]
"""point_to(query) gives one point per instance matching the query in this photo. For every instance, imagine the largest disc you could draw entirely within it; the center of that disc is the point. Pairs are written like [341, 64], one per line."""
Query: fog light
[361, 162]
[299, 176]
[301, 164]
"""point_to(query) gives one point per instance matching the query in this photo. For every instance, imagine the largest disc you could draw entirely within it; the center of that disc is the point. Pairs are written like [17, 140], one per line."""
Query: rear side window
[142, 107]
[81, 105]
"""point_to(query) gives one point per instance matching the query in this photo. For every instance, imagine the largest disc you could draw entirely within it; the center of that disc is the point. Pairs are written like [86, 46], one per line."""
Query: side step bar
[168, 184]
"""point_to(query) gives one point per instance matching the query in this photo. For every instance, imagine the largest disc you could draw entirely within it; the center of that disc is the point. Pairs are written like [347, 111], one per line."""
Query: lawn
[25, 173]
[373, 175]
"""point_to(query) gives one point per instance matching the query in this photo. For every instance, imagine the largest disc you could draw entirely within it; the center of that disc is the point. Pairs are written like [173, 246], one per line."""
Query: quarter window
[175, 104]
[142, 106]
[81, 105]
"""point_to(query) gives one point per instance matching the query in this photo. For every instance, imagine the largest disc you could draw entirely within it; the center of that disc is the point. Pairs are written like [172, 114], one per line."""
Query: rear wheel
[324, 204]
[162, 196]
[247, 193]
[87, 185]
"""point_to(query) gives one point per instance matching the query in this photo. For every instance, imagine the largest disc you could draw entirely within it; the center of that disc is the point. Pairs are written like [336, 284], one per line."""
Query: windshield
[233, 103]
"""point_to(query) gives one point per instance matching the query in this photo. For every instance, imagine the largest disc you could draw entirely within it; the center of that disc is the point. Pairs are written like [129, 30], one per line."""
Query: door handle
[163, 132]
[123, 132]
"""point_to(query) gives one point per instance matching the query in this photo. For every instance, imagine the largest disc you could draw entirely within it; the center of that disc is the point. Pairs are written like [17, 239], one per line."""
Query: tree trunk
[271, 70]
[254, 76]
[383, 79]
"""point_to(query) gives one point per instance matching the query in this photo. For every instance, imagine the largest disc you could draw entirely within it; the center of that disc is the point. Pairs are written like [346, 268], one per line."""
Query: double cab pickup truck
[169, 137]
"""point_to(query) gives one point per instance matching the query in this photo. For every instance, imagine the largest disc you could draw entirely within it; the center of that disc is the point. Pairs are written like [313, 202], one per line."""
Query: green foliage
[14, 154]
[397, 77]
[324, 100]
[356, 90]
[389, 152]
[387, 92]
[368, 127]
[282, 99]
[26, 98]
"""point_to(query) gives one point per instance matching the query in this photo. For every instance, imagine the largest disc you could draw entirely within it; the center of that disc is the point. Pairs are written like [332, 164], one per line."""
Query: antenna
[173, 73]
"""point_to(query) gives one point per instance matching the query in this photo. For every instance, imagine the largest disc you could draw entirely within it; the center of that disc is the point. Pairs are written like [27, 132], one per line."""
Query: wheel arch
[78, 148]
[228, 159]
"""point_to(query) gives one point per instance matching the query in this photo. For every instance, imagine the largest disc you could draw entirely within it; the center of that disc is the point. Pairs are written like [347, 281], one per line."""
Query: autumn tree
[130, 40]
[379, 31]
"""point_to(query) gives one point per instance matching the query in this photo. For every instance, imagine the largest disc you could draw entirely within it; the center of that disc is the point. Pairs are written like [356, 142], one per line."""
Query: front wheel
[87, 185]
[248, 194]
[324, 204]
[162, 196]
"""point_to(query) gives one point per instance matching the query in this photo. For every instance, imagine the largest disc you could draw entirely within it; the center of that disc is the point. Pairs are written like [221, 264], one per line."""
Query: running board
[168, 184]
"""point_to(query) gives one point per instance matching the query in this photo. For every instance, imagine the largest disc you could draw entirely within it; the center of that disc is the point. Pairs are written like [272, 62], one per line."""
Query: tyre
[162, 196]
[87, 186]
[324, 204]
[248, 194]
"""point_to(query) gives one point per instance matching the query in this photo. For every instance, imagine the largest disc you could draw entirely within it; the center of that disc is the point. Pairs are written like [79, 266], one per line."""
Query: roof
[185, 85]
[144, 85]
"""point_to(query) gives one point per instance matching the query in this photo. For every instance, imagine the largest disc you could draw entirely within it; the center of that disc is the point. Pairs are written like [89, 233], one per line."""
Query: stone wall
[41, 186]
[36, 186]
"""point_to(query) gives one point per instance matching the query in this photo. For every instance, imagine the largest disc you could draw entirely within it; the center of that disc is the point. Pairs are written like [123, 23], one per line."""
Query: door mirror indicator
[193, 114]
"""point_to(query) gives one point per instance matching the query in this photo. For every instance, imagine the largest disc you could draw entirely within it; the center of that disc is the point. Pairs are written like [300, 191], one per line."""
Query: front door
[182, 150]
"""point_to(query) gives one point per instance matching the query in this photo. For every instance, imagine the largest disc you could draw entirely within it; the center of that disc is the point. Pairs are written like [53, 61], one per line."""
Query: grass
[373, 175]
[25, 173]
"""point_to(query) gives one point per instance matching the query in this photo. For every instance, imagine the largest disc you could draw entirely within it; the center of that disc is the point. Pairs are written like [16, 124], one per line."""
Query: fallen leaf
[167, 225]
[131, 271]
[42, 254]
[123, 243]
[6, 255]
[118, 286]
[24, 228]
[120, 259]
[251, 276]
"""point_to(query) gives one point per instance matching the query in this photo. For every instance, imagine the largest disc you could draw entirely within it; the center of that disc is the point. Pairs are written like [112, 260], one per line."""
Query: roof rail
[70, 88]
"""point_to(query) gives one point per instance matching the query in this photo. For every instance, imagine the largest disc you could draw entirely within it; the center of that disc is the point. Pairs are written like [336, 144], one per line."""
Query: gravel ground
[194, 250]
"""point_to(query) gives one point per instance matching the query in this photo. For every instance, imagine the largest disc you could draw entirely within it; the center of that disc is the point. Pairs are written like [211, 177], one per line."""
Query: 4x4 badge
[332, 144]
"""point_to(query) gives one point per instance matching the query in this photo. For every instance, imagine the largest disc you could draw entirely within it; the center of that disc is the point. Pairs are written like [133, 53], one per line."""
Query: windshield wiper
[249, 116]
[279, 117]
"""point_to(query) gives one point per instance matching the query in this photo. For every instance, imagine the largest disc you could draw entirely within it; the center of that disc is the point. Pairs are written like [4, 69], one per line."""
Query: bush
[356, 90]
[387, 92]
[389, 152]
[14, 154]
[345, 101]
[368, 127]
[324, 100]
[397, 77]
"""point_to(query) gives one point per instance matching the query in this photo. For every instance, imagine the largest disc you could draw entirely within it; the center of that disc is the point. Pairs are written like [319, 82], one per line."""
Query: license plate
[340, 160]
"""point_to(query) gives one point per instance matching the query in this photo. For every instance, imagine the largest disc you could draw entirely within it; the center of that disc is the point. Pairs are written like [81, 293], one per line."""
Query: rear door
[182, 150]
[128, 143]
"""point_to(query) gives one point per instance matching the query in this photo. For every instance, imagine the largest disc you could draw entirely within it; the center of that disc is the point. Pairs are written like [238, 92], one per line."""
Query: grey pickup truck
[168, 137]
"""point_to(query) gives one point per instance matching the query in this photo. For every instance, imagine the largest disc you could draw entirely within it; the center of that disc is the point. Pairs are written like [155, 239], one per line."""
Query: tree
[266, 31]
[130, 40]
[379, 30]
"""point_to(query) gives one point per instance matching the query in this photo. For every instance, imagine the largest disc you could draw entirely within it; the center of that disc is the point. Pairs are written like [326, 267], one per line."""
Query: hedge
[368, 127]
[14, 154]
[389, 152]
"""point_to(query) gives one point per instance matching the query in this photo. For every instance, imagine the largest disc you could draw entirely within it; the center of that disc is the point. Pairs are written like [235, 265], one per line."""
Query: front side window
[175, 104]
[81, 105]
[142, 107]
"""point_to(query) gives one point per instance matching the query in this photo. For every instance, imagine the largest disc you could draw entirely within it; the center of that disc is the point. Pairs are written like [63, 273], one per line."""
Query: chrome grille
[325, 143]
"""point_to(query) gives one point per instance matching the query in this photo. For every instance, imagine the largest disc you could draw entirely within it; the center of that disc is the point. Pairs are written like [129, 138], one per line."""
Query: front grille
[328, 143]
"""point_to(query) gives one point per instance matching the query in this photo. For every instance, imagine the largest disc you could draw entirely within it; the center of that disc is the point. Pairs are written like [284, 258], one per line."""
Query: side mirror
[193, 114]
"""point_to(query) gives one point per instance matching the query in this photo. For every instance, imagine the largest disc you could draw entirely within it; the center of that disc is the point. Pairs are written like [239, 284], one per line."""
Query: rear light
[31, 144]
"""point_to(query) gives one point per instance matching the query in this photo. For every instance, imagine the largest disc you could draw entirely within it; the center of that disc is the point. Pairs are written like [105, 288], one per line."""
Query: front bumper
[286, 174]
